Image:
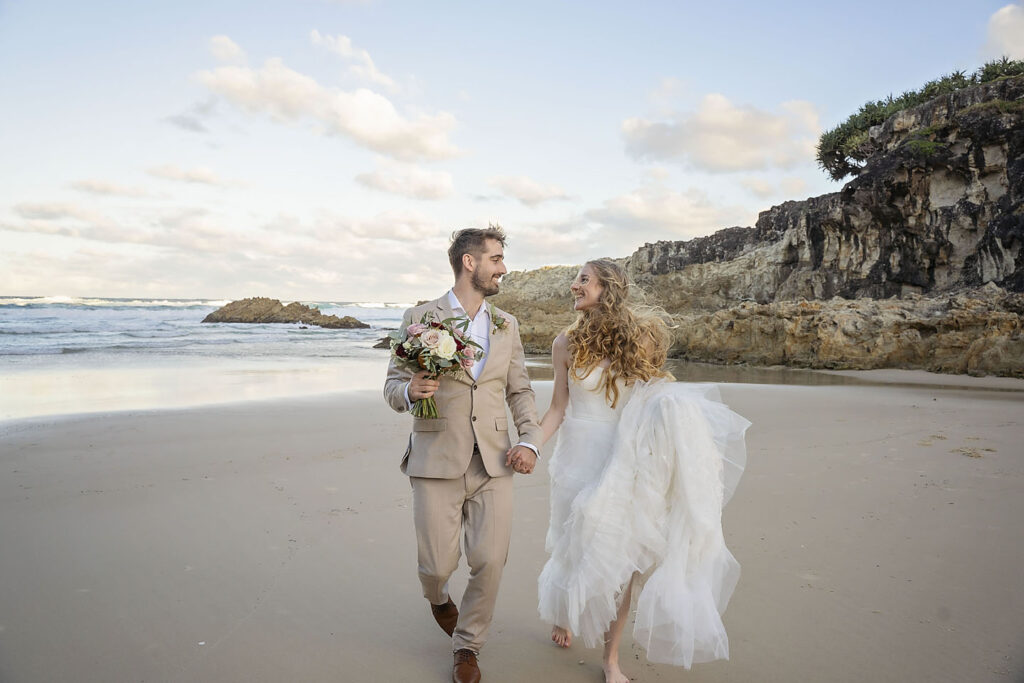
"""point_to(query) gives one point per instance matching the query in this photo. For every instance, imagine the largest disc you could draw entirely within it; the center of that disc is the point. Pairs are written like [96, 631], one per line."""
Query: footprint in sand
[969, 452]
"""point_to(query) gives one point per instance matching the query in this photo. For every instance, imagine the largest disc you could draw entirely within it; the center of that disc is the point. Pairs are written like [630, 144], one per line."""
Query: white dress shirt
[479, 331]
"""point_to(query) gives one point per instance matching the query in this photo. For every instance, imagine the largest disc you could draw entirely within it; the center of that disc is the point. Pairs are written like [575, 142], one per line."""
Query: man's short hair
[471, 241]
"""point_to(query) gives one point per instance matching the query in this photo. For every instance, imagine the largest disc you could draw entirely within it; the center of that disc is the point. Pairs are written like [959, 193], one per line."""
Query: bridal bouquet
[440, 348]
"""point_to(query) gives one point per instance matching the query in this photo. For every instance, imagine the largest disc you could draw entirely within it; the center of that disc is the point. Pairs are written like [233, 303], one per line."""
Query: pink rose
[431, 338]
[469, 352]
[467, 363]
[415, 328]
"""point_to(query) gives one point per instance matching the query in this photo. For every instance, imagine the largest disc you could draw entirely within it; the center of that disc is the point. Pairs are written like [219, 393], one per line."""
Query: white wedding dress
[640, 488]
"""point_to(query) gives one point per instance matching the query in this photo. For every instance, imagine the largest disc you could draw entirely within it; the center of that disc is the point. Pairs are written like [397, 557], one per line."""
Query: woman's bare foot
[612, 673]
[561, 636]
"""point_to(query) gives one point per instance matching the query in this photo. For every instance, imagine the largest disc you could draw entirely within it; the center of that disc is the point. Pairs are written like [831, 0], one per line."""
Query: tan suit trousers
[478, 507]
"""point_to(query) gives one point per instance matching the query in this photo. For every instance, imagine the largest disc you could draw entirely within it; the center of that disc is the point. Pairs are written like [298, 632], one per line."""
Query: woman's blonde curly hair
[633, 337]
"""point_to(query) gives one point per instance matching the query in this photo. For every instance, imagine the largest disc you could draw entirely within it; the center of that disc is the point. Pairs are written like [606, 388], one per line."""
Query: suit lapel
[441, 308]
[496, 342]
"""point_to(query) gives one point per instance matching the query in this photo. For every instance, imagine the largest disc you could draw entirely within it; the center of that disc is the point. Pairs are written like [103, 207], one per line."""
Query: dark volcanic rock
[264, 310]
[665, 256]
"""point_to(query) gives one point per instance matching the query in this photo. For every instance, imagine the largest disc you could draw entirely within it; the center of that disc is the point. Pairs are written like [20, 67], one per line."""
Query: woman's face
[586, 290]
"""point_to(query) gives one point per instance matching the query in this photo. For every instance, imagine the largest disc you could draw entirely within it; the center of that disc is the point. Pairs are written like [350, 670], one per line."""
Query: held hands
[420, 386]
[521, 459]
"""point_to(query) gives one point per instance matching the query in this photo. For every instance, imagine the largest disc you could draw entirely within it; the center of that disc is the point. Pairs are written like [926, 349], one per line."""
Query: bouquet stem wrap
[425, 407]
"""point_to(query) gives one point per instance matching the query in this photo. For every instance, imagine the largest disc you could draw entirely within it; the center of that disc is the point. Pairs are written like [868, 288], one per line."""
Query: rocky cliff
[936, 213]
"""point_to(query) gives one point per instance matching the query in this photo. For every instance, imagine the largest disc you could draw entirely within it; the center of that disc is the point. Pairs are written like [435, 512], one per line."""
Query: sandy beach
[879, 527]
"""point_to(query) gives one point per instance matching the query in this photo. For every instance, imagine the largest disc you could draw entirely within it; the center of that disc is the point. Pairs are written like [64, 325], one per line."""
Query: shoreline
[174, 384]
[40, 391]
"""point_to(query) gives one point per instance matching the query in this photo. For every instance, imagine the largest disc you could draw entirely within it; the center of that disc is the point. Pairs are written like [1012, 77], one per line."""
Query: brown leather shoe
[466, 669]
[446, 616]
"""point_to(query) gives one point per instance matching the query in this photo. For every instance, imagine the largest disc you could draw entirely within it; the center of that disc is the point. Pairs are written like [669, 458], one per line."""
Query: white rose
[431, 338]
[446, 347]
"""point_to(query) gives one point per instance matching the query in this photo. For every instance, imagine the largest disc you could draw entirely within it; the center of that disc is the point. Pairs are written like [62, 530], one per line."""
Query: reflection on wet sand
[540, 369]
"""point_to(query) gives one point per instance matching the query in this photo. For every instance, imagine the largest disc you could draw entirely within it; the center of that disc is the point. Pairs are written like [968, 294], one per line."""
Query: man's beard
[487, 287]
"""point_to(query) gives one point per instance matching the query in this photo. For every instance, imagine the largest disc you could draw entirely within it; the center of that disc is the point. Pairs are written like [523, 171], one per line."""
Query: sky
[325, 150]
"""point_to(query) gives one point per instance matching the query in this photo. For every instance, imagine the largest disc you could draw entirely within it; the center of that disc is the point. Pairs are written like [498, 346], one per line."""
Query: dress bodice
[587, 400]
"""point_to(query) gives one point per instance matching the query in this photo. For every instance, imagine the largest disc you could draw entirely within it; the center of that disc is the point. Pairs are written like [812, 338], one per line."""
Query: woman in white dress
[641, 470]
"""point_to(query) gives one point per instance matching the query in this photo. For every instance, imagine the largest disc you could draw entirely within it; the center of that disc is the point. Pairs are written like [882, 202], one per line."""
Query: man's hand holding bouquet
[440, 348]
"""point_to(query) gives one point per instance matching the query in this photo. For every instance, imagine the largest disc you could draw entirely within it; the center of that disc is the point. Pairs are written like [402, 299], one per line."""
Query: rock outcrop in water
[264, 310]
[915, 263]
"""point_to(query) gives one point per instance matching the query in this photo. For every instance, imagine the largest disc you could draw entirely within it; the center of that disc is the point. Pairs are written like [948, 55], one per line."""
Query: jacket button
[474, 418]
[474, 387]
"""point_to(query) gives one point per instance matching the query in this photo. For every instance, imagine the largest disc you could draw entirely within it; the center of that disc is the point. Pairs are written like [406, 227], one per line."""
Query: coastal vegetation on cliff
[842, 151]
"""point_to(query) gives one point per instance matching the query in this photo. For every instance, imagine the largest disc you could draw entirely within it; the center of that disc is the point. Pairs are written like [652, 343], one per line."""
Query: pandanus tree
[842, 150]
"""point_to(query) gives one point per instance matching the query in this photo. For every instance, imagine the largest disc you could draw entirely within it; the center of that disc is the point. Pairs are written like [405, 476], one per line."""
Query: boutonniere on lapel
[497, 321]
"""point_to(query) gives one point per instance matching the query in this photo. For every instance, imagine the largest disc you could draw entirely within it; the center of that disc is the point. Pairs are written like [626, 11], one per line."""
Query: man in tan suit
[460, 463]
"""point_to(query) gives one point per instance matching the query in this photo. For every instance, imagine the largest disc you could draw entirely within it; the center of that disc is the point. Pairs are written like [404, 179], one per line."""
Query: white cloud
[226, 50]
[384, 256]
[721, 136]
[375, 243]
[187, 122]
[527, 190]
[760, 187]
[765, 188]
[200, 174]
[364, 68]
[567, 241]
[621, 225]
[42, 215]
[1006, 32]
[793, 185]
[367, 118]
[656, 212]
[86, 271]
[408, 180]
[103, 187]
[657, 174]
[399, 226]
[664, 97]
[189, 229]
[194, 120]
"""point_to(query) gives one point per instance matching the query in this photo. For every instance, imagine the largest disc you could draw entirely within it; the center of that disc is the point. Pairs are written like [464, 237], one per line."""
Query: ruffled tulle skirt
[644, 495]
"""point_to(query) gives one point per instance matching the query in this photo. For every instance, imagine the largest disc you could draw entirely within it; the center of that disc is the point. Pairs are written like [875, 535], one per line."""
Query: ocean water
[62, 355]
[130, 329]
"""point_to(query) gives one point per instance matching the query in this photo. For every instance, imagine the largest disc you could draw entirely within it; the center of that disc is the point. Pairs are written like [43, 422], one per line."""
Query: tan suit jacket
[471, 412]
